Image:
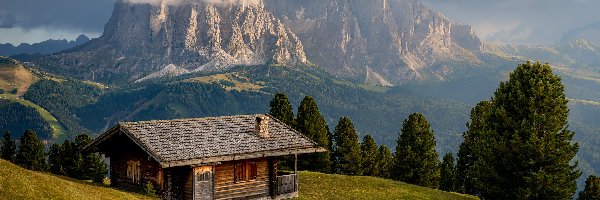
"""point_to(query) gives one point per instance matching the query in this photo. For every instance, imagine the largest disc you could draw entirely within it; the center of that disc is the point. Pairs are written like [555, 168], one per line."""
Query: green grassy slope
[326, 186]
[18, 183]
[58, 131]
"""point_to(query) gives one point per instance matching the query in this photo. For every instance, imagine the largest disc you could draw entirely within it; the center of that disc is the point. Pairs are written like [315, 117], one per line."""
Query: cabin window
[245, 171]
[203, 176]
[239, 171]
[134, 171]
[253, 171]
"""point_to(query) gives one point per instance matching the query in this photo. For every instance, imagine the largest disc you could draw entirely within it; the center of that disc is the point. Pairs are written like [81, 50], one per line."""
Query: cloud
[83, 15]
[178, 2]
[520, 21]
[7, 20]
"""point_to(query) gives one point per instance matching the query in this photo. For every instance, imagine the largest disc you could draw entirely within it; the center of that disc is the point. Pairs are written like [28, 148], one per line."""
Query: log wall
[227, 188]
[125, 150]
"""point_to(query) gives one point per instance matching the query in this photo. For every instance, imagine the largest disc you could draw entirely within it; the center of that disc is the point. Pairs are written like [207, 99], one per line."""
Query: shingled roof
[213, 139]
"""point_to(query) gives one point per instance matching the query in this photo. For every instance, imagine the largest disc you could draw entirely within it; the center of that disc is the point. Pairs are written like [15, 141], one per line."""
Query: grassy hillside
[15, 81]
[56, 130]
[326, 186]
[14, 76]
[18, 183]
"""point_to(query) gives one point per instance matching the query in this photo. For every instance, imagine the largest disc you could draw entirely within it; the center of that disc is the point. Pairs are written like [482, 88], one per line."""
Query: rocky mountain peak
[393, 41]
[384, 42]
[141, 39]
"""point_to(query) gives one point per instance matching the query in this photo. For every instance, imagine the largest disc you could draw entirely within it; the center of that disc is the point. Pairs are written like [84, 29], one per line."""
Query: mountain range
[45, 47]
[384, 42]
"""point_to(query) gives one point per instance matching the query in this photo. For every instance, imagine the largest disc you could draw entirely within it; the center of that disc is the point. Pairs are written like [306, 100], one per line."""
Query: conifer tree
[55, 159]
[369, 156]
[385, 161]
[311, 123]
[416, 161]
[92, 166]
[591, 190]
[281, 108]
[71, 160]
[9, 148]
[448, 173]
[527, 149]
[477, 128]
[347, 158]
[31, 153]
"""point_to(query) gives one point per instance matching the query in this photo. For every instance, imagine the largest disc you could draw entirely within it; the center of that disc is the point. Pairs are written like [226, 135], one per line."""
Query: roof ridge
[189, 119]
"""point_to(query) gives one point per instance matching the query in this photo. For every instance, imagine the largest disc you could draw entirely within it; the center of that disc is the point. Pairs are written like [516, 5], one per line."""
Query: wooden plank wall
[125, 150]
[227, 188]
[178, 183]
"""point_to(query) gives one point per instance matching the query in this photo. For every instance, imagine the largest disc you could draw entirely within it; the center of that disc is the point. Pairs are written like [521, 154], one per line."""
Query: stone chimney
[261, 126]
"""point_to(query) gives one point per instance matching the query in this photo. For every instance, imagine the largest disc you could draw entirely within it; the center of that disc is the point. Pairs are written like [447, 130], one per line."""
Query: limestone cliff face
[384, 41]
[144, 39]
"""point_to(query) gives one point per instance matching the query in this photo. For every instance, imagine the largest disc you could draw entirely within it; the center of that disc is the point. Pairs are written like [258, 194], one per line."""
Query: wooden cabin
[231, 157]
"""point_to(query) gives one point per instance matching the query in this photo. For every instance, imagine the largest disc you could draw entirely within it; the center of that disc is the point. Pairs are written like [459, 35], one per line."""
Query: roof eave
[246, 156]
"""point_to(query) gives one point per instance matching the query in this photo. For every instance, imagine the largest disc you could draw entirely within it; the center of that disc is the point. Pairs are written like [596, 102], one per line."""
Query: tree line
[67, 159]
[517, 146]
[415, 160]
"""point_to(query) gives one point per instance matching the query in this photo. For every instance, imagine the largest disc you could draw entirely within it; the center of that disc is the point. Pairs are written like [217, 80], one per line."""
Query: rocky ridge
[380, 42]
[385, 41]
[144, 39]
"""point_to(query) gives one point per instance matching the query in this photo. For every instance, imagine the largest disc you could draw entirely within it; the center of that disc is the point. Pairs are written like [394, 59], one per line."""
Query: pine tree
[385, 161]
[526, 149]
[31, 153]
[477, 128]
[71, 160]
[347, 158]
[55, 159]
[448, 173]
[311, 123]
[592, 189]
[281, 108]
[369, 156]
[416, 161]
[8, 147]
[92, 166]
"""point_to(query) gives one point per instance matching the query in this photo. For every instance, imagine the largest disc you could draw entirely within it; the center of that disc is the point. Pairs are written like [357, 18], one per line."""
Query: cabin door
[203, 183]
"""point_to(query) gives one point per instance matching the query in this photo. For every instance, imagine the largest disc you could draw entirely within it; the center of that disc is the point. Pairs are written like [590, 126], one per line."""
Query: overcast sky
[520, 21]
[509, 21]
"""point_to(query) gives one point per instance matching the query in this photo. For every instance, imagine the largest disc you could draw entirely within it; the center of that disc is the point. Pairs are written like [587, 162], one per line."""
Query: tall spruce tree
[71, 160]
[477, 128]
[281, 108]
[92, 166]
[9, 148]
[448, 173]
[385, 161]
[31, 153]
[416, 160]
[347, 156]
[591, 190]
[55, 159]
[369, 156]
[311, 123]
[527, 149]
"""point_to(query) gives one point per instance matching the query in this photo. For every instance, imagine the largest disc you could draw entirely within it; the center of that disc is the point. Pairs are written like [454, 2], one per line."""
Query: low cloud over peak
[177, 2]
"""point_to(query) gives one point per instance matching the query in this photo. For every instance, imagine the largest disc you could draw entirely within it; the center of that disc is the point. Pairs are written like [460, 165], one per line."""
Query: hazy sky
[520, 21]
[510, 21]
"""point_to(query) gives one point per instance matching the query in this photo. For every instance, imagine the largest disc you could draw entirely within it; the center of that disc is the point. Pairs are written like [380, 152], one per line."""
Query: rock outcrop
[144, 39]
[391, 41]
[383, 42]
